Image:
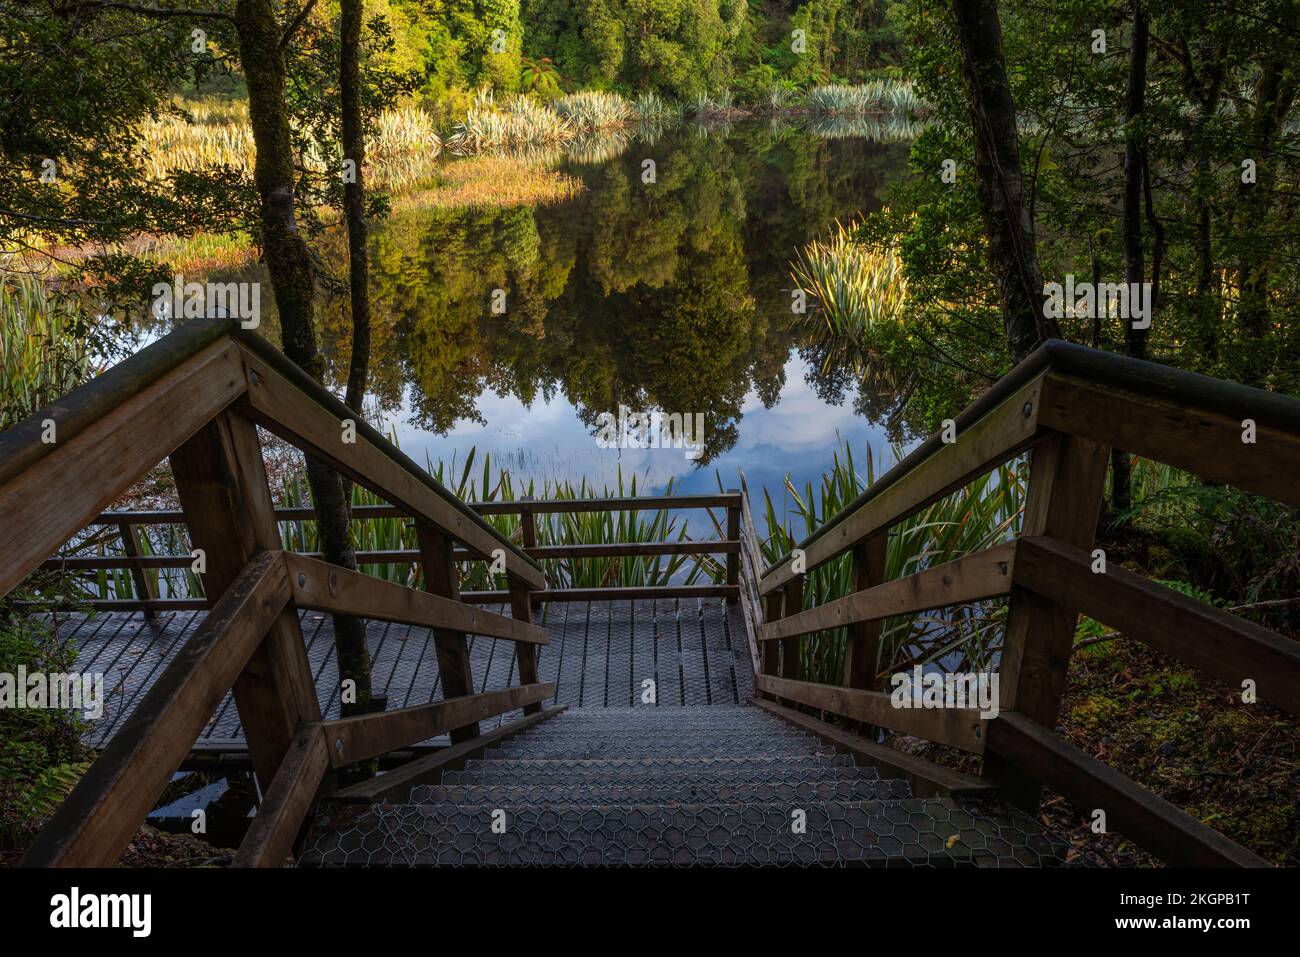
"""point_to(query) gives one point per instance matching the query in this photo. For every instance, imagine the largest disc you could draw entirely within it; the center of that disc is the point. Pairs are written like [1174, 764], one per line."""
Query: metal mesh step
[669, 791]
[913, 831]
[634, 774]
[533, 772]
[616, 746]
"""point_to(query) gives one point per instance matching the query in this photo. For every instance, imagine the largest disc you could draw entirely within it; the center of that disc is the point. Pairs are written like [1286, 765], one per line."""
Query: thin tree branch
[297, 22]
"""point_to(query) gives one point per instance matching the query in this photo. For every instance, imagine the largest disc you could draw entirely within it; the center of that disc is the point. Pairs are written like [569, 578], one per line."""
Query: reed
[965, 638]
[874, 96]
[594, 110]
[44, 352]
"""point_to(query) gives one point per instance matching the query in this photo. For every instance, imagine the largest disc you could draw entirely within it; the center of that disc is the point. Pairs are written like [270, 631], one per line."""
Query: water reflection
[673, 294]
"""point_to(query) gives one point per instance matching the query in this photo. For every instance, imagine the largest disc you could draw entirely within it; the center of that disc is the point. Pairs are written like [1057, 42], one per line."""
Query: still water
[673, 295]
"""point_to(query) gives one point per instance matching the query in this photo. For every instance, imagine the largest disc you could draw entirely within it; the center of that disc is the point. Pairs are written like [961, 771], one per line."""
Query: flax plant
[983, 514]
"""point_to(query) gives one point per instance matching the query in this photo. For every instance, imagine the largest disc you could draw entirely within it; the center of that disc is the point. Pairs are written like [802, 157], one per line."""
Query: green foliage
[41, 754]
[982, 514]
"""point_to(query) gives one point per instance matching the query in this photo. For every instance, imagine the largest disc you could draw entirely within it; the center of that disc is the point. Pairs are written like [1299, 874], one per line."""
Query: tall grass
[966, 638]
[401, 150]
[518, 123]
[44, 352]
[855, 285]
[594, 110]
[496, 181]
[874, 96]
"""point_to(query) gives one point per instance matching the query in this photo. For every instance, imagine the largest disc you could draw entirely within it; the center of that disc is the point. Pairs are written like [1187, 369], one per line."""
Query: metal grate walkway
[599, 656]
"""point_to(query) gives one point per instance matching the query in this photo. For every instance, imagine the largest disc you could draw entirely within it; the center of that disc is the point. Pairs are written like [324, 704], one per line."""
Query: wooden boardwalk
[599, 655]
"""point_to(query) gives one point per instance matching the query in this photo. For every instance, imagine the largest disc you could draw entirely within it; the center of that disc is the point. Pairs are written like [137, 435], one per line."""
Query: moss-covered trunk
[289, 262]
[354, 197]
[1011, 250]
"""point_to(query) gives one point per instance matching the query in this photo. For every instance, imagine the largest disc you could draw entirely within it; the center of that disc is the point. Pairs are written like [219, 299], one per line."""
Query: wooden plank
[959, 727]
[527, 525]
[536, 506]
[1206, 443]
[325, 587]
[367, 736]
[622, 549]
[996, 437]
[1063, 500]
[283, 408]
[986, 574]
[1145, 818]
[790, 645]
[396, 785]
[221, 483]
[108, 805]
[926, 778]
[639, 503]
[521, 608]
[411, 556]
[1211, 639]
[131, 546]
[862, 650]
[61, 491]
[605, 594]
[452, 647]
[270, 837]
[750, 565]
[733, 534]
[771, 650]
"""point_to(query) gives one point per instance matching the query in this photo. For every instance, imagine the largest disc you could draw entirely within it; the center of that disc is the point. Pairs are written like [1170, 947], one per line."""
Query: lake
[512, 330]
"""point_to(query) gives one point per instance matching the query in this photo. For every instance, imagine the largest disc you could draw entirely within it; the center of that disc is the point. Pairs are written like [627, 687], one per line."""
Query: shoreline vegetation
[503, 151]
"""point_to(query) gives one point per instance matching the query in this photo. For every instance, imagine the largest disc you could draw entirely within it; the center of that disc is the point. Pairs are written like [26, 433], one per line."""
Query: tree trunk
[1274, 94]
[997, 169]
[289, 263]
[354, 199]
[1135, 157]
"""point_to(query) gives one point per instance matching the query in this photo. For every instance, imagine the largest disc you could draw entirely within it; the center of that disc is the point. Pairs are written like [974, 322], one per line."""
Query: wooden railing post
[131, 547]
[451, 646]
[1066, 478]
[793, 600]
[521, 607]
[528, 523]
[733, 534]
[771, 649]
[862, 651]
[222, 487]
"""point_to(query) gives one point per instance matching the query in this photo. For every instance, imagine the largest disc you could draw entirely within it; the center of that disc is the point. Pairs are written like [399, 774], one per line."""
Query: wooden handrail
[514, 507]
[212, 382]
[1069, 405]
[411, 556]
[986, 574]
[1173, 834]
[325, 587]
[101, 815]
[1211, 639]
[1174, 392]
[957, 727]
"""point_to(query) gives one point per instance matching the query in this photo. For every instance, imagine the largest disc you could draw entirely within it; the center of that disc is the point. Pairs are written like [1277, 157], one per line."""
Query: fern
[47, 791]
